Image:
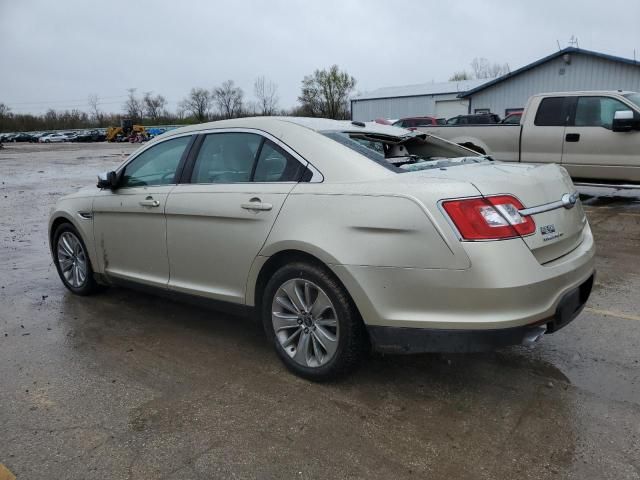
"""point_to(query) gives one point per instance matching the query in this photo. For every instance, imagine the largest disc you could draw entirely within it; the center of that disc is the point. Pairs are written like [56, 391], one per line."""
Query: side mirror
[108, 180]
[623, 121]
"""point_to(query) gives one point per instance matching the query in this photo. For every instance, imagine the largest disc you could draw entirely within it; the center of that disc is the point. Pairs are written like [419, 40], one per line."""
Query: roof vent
[358, 124]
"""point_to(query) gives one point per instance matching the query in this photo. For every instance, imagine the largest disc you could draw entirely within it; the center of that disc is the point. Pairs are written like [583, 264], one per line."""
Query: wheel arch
[264, 267]
[85, 231]
[56, 221]
[472, 143]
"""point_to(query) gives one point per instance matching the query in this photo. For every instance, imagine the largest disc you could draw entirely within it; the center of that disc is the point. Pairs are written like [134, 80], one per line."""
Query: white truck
[594, 135]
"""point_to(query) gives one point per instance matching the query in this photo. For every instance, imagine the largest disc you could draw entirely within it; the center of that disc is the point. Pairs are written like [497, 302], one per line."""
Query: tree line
[481, 68]
[324, 93]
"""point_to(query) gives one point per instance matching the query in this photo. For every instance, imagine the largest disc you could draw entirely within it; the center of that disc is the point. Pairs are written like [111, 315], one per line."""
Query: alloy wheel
[305, 322]
[72, 259]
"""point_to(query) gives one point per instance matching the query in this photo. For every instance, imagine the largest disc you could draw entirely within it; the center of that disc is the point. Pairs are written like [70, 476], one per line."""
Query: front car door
[218, 221]
[593, 150]
[129, 222]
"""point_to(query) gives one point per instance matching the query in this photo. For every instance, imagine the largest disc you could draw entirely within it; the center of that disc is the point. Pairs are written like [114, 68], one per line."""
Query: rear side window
[276, 165]
[226, 158]
[551, 112]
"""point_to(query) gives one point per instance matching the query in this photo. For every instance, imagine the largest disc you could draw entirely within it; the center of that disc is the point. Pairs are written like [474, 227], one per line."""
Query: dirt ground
[123, 385]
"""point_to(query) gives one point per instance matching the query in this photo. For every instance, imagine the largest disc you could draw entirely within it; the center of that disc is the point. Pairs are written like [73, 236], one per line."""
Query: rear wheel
[72, 261]
[312, 322]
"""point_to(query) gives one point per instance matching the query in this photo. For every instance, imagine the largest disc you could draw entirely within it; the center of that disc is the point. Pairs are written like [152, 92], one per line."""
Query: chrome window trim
[316, 177]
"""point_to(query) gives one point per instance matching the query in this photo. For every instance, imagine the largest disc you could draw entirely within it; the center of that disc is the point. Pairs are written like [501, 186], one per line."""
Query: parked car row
[96, 135]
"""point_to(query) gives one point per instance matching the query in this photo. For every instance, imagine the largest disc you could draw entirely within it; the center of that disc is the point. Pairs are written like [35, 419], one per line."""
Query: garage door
[451, 108]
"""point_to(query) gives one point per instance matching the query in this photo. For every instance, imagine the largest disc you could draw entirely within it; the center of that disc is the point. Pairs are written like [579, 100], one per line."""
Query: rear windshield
[406, 154]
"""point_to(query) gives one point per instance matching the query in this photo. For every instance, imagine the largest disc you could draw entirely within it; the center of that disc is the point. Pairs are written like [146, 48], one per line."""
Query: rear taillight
[489, 218]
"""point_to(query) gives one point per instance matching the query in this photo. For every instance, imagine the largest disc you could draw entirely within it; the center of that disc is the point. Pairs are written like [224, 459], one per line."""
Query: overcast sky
[53, 54]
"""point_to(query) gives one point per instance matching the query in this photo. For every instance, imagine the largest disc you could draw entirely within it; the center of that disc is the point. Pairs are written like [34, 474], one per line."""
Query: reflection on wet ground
[128, 385]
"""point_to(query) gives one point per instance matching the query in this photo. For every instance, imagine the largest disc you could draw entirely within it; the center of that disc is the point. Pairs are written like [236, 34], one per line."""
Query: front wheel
[72, 261]
[312, 322]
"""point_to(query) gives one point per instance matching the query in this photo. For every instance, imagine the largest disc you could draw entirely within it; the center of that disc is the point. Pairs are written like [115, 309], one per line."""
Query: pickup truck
[594, 135]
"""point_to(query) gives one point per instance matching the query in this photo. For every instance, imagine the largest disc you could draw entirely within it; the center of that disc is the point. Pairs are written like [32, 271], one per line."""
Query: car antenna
[358, 124]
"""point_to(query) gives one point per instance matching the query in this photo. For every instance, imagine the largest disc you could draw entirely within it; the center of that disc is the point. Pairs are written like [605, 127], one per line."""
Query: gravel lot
[129, 386]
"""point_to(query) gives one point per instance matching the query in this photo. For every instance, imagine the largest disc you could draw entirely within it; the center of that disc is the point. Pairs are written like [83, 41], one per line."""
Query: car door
[218, 221]
[129, 221]
[542, 138]
[592, 149]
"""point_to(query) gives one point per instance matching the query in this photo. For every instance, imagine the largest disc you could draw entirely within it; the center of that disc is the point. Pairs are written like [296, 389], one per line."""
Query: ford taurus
[340, 236]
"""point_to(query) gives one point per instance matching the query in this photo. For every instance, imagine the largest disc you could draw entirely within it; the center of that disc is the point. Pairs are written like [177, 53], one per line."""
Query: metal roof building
[570, 69]
[432, 99]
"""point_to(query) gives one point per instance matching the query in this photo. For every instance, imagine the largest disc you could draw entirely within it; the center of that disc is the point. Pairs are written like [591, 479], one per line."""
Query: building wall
[585, 72]
[400, 107]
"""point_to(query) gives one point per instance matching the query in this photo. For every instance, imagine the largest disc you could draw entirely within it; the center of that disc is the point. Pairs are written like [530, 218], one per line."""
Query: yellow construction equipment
[127, 132]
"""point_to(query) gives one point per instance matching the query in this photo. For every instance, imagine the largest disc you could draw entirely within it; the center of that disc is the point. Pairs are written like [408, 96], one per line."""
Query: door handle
[256, 204]
[149, 202]
[572, 137]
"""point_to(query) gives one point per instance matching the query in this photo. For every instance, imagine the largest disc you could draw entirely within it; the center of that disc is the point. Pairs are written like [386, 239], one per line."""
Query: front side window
[634, 98]
[226, 158]
[276, 165]
[156, 165]
[597, 111]
[551, 112]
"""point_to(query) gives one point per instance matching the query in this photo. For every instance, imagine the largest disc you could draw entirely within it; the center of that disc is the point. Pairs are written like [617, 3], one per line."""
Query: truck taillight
[489, 218]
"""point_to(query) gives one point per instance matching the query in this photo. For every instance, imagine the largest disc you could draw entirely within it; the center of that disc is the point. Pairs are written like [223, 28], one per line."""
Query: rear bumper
[505, 287]
[420, 340]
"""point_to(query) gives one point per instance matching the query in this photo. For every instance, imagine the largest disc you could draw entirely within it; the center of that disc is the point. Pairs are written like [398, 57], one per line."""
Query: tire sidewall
[341, 304]
[89, 284]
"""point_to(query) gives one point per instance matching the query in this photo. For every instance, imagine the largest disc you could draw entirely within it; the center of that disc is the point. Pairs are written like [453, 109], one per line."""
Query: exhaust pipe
[533, 335]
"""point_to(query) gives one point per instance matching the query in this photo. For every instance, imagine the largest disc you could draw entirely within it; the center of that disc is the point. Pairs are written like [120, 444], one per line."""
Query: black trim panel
[219, 305]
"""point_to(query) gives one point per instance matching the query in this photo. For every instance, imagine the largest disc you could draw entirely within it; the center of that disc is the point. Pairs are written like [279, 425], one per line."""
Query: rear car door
[218, 221]
[592, 149]
[129, 222]
[543, 137]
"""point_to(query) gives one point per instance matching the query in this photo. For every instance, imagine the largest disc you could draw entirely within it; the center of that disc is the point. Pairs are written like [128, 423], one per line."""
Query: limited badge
[548, 232]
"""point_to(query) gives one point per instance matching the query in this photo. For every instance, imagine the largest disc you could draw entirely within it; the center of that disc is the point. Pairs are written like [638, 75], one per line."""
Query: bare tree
[94, 109]
[154, 105]
[482, 68]
[5, 113]
[133, 107]
[326, 93]
[198, 103]
[266, 93]
[461, 75]
[228, 98]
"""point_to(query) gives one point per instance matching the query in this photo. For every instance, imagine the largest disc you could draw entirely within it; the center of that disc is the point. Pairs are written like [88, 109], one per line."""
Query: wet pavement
[123, 385]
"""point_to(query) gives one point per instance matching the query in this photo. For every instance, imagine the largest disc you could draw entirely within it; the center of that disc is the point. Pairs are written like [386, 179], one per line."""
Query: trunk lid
[558, 230]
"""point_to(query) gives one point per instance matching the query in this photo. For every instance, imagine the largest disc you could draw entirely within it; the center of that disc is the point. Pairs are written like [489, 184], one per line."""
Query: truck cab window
[551, 112]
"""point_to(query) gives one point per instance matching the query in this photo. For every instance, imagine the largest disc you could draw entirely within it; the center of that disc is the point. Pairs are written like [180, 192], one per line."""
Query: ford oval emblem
[569, 200]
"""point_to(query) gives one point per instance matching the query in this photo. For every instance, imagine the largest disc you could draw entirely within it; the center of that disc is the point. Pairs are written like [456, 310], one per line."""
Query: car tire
[323, 337]
[72, 261]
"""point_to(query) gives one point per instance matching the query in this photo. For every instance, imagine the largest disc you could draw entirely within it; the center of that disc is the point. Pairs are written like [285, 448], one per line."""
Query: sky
[54, 54]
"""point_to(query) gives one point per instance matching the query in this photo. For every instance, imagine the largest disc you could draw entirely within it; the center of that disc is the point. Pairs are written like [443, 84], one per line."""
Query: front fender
[79, 213]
